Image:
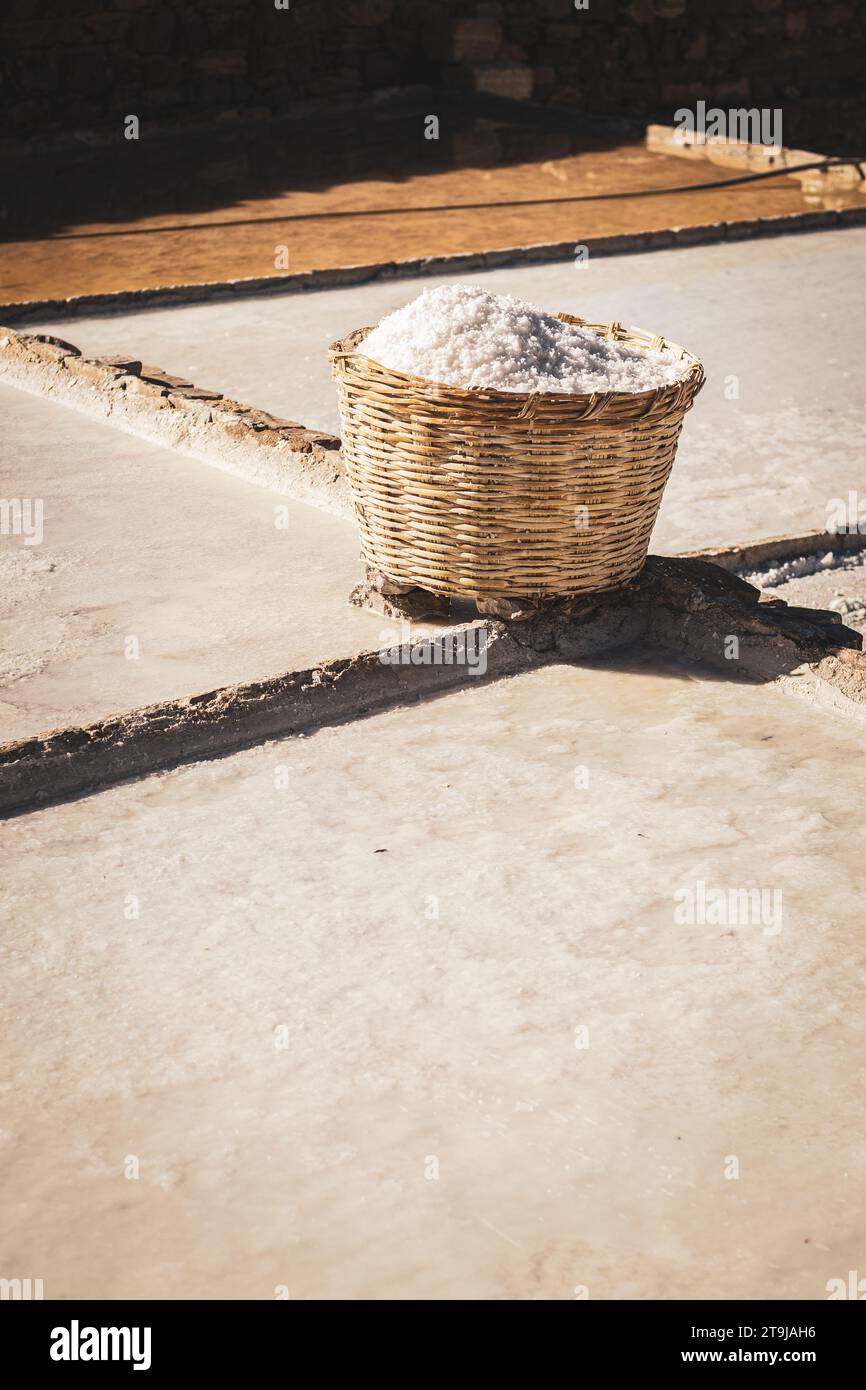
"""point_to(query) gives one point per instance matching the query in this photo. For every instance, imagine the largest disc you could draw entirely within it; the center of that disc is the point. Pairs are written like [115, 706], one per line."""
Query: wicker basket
[494, 493]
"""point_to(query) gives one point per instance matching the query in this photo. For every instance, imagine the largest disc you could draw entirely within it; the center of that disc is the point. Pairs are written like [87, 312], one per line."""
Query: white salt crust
[460, 335]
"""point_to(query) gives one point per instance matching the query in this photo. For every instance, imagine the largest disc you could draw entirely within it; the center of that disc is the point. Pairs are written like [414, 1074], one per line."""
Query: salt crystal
[459, 335]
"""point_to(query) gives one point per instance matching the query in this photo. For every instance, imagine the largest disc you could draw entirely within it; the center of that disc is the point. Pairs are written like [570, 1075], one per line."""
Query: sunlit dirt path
[366, 219]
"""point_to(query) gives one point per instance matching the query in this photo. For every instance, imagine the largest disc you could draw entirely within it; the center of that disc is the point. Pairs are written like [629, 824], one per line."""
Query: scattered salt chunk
[773, 575]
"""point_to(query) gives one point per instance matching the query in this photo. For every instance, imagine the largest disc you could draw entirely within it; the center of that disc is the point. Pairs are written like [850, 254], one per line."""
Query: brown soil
[238, 230]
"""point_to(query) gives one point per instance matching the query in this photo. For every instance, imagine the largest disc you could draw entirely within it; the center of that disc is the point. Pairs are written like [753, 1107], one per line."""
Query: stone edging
[736, 155]
[748, 555]
[676, 606]
[629, 243]
[74, 761]
[145, 400]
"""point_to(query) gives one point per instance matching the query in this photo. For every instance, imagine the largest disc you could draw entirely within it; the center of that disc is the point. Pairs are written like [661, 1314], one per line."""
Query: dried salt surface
[460, 335]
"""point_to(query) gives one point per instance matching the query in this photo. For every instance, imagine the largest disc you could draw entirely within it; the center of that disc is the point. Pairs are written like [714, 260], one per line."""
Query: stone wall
[648, 57]
[85, 64]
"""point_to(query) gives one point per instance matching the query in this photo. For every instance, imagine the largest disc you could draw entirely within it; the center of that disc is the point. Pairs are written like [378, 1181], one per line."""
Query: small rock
[138, 386]
[91, 371]
[383, 585]
[128, 365]
[48, 349]
[158, 377]
[69, 348]
[515, 610]
[196, 393]
[414, 606]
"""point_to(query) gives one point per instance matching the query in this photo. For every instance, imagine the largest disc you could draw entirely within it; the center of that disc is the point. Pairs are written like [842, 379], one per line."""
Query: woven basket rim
[345, 357]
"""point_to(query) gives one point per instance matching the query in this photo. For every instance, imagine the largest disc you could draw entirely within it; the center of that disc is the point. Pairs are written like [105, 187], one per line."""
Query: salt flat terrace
[155, 576]
[776, 434]
[417, 1008]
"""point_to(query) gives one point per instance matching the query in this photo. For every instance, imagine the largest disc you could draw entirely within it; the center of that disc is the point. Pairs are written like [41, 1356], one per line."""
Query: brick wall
[85, 64]
[82, 65]
[647, 57]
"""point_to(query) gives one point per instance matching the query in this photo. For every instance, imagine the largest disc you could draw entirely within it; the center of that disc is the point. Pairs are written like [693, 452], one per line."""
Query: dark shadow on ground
[222, 167]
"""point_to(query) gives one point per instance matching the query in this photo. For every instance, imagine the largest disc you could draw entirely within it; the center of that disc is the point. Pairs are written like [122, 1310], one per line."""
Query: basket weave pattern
[494, 493]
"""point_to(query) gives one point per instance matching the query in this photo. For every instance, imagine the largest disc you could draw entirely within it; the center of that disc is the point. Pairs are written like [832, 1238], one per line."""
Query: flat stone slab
[404, 1010]
[156, 576]
[782, 415]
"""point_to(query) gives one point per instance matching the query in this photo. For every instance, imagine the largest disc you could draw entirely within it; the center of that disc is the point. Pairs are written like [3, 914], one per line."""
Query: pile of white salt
[460, 335]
